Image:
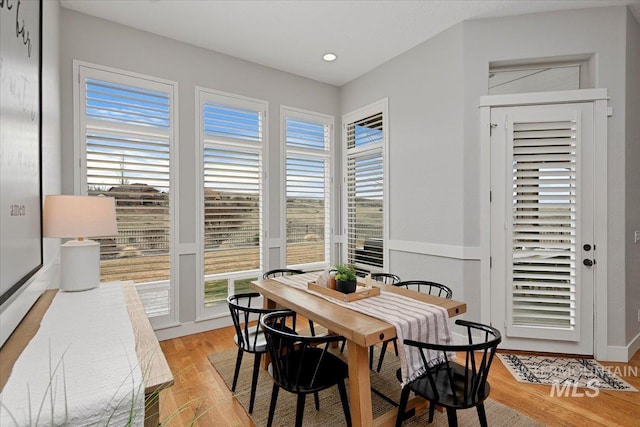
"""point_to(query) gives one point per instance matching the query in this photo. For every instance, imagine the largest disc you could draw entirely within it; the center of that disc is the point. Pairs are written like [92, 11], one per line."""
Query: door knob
[587, 247]
[587, 262]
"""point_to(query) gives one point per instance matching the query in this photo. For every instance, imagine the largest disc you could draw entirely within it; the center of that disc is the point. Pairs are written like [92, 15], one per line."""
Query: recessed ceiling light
[329, 57]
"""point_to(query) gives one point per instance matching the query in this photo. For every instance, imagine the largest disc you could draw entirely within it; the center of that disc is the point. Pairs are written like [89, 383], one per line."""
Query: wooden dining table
[361, 332]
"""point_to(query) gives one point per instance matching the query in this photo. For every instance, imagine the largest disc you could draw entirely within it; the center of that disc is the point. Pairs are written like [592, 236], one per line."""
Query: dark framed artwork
[20, 143]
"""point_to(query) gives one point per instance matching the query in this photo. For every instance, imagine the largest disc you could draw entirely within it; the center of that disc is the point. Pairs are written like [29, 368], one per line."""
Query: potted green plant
[345, 278]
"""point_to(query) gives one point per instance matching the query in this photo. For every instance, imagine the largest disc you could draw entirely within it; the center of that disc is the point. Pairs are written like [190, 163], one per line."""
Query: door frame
[600, 111]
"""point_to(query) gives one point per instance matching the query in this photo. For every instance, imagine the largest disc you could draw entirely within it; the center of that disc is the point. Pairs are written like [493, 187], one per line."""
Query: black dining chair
[386, 278]
[302, 365]
[279, 272]
[249, 335]
[431, 288]
[450, 384]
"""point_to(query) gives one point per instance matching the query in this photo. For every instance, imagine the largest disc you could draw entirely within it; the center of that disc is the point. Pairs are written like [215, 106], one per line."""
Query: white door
[542, 227]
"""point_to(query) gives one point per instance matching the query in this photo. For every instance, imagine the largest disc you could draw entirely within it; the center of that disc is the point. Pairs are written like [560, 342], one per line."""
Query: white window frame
[309, 116]
[377, 107]
[585, 64]
[203, 94]
[80, 169]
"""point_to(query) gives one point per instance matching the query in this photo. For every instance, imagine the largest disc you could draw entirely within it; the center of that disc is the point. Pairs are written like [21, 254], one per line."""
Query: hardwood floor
[200, 392]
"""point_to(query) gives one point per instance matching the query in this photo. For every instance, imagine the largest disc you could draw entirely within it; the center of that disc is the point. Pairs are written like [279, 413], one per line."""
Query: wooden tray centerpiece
[361, 292]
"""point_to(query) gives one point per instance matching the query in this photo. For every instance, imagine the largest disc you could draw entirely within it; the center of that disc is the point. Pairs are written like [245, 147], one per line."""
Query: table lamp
[78, 217]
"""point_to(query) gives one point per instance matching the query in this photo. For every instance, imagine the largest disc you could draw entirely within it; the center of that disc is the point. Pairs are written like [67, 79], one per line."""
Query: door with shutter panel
[542, 227]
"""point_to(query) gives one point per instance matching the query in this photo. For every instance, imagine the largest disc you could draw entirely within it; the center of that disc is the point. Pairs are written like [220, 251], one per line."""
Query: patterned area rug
[330, 413]
[563, 371]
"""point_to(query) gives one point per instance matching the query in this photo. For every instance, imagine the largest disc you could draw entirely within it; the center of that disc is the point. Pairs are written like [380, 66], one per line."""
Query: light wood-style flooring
[198, 387]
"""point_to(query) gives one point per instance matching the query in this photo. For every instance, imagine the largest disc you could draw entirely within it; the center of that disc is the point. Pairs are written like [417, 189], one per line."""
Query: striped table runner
[414, 320]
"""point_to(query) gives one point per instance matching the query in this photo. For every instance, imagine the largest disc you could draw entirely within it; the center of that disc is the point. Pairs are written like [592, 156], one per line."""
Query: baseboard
[190, 328]
[623, 353]
[614, 353]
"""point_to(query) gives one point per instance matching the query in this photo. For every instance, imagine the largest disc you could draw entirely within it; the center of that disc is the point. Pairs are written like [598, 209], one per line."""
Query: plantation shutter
[126, 124]
[543, 224]
[365, 191]
[232, 167]
[307, 192]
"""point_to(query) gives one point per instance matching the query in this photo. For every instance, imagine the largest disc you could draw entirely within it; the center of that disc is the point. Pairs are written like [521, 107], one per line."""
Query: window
[231, 131]
[524, 78]
[365, 137]
[307, 141]
[126, 127]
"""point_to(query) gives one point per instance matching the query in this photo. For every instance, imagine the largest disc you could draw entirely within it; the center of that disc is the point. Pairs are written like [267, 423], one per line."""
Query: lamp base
[79, 265]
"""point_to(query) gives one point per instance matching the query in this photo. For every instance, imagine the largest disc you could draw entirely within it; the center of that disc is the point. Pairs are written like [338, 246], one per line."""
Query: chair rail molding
[470, 253]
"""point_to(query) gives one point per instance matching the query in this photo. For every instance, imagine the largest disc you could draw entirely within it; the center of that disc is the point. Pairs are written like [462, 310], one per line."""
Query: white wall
[47, 277]
[632, 169]
[51, 133]
[424, 86]
[426, 206]
[434, 92]
[102, 42]
[598, 31]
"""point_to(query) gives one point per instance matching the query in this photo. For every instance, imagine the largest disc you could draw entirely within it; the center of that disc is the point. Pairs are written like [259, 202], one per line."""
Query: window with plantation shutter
[231, 130]
[365, 139]
[308, 196]
[544, 224]
[127, 133]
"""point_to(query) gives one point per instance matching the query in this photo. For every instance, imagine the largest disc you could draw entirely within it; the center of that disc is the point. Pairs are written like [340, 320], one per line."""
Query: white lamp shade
[79, 216]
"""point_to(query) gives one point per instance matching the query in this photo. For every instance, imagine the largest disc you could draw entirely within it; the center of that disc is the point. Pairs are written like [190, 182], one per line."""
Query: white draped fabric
[80, 369]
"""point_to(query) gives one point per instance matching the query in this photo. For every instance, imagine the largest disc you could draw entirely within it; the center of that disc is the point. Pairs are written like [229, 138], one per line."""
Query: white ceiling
[292, 35]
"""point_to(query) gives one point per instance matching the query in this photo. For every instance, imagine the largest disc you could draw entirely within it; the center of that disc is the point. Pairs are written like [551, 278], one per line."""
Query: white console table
[156, 373]
[157, 376]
